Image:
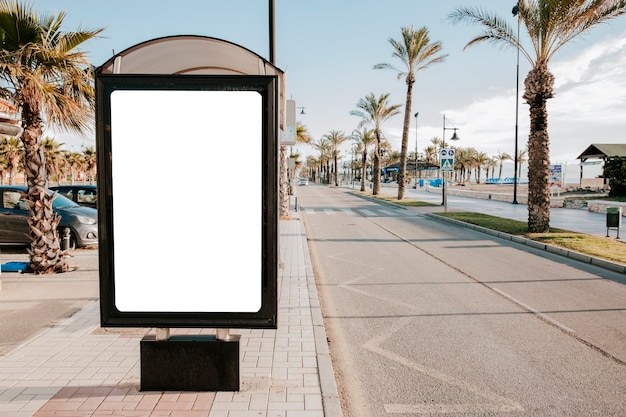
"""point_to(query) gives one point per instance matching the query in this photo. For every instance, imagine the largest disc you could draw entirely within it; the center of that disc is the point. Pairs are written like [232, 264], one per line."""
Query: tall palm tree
[375, 111]
[325, 150]
[490, 165]
[49, 79]
[481, 159]
[89, 158]
[335, 138]
[521, 158]
[500, 157]
[416, 53]
[54, 158]
[74, 162]
[364, 138]
[12, 153]
[311, 164]
[550, 24]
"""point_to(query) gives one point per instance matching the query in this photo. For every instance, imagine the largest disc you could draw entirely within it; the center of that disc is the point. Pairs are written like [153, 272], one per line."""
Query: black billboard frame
[267, 87]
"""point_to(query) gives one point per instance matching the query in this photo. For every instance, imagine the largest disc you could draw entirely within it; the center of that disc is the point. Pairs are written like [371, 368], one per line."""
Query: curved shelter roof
[188, 54]
[603, 151]
[194, 55]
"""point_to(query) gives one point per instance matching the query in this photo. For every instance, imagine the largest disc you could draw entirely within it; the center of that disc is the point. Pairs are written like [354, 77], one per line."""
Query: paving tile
[76, 369]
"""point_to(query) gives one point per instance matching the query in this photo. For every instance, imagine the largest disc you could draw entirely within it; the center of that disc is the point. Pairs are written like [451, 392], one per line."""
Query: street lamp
[302, 110]
[416, 114]
[443, 145]
[515, 173]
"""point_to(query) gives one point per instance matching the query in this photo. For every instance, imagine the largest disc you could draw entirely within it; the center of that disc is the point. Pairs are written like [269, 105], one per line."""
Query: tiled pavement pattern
[77, 369]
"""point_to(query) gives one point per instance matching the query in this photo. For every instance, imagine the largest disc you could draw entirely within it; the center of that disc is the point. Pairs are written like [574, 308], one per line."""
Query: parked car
[85, 195]
[14, 213]
[303, 181]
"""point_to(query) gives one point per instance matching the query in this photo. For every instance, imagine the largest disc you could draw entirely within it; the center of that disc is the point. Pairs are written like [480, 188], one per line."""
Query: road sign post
[446, 156]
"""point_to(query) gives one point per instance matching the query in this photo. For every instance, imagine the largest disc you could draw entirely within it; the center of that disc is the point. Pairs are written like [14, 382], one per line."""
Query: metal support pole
[515, 158]
[272, 25]
[415, 173]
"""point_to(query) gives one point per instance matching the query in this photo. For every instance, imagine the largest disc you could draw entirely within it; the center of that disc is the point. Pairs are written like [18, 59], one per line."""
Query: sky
[328, 49]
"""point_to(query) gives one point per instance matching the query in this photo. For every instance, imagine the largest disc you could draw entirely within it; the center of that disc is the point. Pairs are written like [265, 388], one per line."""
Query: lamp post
[443, 146]
[416, 114]
[515, 173]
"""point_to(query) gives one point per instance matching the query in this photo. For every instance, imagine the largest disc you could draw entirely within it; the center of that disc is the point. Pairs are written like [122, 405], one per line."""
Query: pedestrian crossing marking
[374, 212]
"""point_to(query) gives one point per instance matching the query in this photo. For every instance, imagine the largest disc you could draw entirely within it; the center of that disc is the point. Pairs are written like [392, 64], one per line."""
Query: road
[576, 220]
[428, 318]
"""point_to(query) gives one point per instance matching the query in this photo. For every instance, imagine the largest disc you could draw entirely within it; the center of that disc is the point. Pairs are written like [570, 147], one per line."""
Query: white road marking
[534, 311]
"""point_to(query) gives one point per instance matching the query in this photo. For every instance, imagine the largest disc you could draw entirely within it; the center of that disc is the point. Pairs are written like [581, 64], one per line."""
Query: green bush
[615, 171]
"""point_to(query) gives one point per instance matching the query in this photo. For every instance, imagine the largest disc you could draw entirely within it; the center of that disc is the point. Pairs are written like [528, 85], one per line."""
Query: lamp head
[455, 136]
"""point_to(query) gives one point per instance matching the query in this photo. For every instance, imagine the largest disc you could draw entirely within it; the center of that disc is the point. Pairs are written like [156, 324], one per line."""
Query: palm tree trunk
[538, 89]
[364, 170]
[46, 255]
[376, 167]
[405, 139]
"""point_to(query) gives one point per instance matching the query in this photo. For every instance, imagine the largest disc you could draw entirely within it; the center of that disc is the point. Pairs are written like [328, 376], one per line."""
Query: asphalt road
[428, 318]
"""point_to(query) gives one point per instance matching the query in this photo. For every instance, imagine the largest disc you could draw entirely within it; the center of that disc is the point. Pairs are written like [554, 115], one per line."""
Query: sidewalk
[77, 369]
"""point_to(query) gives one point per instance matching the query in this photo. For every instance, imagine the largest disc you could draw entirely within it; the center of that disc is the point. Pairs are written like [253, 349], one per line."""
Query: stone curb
[603, 263]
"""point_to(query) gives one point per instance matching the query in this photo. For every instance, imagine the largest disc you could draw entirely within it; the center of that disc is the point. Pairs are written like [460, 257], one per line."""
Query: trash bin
[613, 217]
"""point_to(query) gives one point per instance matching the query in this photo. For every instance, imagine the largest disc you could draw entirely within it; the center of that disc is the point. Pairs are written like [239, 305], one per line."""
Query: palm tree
[416, 53]
[521, 158]
[550, 24]
[500, 157]
[325, 150]
[12, 153]
[311, 164]
[335, 138]
[430, 153]
[302, 133]
[364, 138]
[74, 162]
[490, 165]
[375, 111]
[54, 158]
[89, 159]
[481, 159]
[50, 80]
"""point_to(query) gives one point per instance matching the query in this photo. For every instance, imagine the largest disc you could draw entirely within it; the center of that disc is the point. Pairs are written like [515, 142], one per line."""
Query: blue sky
[328, 50]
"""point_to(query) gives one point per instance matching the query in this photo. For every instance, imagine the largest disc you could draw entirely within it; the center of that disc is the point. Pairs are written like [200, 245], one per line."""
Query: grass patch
[607, 248]
[601, 247]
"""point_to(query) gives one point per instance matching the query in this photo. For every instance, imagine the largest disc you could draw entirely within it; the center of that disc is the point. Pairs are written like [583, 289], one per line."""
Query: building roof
[603, 151]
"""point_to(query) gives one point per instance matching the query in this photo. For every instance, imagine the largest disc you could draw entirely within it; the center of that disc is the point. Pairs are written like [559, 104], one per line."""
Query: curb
[603, 263]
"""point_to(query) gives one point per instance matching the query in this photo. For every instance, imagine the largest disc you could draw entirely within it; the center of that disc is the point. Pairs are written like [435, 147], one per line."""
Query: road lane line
[534, 311]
